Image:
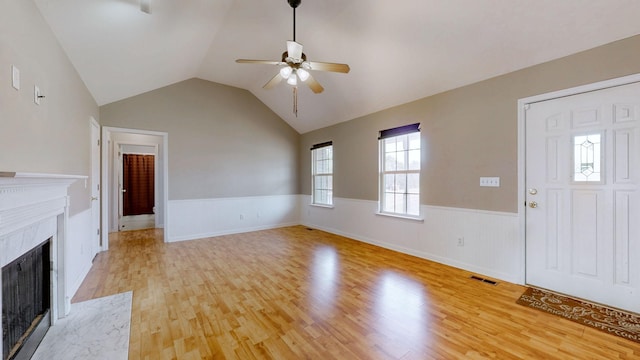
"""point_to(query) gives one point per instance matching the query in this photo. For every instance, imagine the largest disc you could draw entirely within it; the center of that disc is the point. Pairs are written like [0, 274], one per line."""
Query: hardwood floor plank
[294, 293]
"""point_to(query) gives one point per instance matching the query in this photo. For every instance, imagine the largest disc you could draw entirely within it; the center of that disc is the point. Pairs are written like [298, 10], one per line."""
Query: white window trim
[381, 192]
[313, 179]
[332, 206]
[417, 218]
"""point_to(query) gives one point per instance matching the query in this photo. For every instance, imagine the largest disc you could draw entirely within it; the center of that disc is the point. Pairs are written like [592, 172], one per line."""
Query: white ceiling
[399, 51]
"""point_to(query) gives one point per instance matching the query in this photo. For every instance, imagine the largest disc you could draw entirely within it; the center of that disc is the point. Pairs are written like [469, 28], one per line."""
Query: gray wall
[466, 133]
[223, 142]
[53, 137]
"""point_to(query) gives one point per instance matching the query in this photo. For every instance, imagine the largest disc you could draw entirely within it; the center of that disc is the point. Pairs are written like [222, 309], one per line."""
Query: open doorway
[137, 183]
[116, 143]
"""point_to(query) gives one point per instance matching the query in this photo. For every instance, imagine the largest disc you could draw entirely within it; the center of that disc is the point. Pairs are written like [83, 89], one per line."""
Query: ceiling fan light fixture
[293, 79]
[302, 74]
[285, 71]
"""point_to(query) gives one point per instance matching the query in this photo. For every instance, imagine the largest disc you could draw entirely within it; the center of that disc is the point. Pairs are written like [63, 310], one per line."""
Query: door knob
[94, 198]
[533, 204]
[533, 191]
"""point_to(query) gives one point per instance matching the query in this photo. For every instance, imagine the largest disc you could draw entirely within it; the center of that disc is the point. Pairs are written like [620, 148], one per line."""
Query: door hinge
[98, 232]
[98, 186]
[98, 142]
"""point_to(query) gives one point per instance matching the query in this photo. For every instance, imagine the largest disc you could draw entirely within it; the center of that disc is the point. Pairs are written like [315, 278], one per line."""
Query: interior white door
[95, 188]
[582, 201]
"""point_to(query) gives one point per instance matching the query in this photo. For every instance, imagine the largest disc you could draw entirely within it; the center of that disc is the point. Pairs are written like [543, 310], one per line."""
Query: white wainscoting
[79, 250]
[492, 246]
[200, 218]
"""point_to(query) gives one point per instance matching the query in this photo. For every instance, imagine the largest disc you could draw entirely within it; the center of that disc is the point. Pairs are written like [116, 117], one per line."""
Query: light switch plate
[490, 181]
[15, 77]
[36, 94]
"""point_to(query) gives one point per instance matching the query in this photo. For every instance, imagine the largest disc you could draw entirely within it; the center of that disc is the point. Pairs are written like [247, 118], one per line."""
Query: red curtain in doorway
[138, 181]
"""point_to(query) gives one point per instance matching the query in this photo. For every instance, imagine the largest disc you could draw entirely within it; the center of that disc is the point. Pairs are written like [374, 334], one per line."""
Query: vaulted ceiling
[399, 51]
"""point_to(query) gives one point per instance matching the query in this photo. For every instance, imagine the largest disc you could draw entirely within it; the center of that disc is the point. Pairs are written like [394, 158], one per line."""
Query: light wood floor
[294, 293]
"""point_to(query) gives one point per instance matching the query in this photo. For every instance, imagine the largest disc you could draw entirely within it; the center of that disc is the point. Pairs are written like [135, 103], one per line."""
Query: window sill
[322, 206]
[404, 217]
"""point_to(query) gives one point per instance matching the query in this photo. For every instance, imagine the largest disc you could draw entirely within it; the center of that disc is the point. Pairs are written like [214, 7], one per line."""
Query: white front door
[583, 204]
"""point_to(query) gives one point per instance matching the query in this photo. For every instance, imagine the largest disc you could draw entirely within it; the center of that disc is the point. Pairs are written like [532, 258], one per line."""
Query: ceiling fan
[145, 6]
[295, 67]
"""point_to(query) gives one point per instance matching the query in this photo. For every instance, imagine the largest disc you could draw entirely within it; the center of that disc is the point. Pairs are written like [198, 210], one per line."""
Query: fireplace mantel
[16, 180]
[30, 197]
[33, 208]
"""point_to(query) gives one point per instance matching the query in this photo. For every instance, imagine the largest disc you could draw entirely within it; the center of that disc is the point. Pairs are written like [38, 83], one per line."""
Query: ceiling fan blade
[333, 67]
[145, 6]
[273, 82]
[267, 62]
[294, 50]
[314, 85]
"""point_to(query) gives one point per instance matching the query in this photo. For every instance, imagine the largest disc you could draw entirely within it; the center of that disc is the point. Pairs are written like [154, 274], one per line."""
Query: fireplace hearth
[33, 230]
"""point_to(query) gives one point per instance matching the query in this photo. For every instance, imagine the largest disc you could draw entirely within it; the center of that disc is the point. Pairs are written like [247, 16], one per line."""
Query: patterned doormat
[614, 322]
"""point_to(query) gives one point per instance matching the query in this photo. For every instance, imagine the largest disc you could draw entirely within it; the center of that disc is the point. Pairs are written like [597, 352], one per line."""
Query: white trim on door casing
[106, 184]
[117, 174]
[95, 248]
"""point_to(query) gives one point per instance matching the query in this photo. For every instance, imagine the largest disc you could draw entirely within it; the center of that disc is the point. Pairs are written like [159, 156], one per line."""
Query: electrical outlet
[490, 181]
[460, 241]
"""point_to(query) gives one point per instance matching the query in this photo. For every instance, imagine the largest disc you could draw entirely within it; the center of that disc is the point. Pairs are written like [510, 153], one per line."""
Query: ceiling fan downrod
[294, 4]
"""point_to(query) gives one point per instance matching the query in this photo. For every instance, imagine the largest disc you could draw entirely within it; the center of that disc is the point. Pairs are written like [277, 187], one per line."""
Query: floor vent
[484, 280]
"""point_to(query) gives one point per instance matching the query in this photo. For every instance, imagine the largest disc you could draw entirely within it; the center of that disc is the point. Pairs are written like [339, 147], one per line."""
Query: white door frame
[95, 247]
[522, 105]
[118, 173]
[106, 183]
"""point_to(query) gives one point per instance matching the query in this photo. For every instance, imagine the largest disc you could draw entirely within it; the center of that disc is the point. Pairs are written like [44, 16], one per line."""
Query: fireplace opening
[26, 302]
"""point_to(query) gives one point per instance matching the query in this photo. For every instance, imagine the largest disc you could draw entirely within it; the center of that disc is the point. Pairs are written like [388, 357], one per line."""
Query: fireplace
[33, 224]
[26, 301]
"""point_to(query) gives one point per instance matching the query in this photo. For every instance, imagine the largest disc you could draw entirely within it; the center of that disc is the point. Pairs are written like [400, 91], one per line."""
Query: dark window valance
[321, 145]
[401, 130]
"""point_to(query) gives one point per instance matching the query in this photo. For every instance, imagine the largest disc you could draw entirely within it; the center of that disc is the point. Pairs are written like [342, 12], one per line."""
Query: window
[400, 171]
[322, 174]
[587, 158]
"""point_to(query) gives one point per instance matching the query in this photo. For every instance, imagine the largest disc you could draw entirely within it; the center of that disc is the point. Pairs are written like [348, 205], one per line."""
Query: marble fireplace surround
[33, 208]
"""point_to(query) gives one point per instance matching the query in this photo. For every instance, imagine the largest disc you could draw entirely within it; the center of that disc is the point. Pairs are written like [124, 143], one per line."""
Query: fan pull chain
[295, 100]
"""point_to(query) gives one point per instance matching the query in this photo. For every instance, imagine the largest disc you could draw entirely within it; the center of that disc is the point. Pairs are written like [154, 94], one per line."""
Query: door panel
[95, 188]
[586, 211]
[582, 163]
